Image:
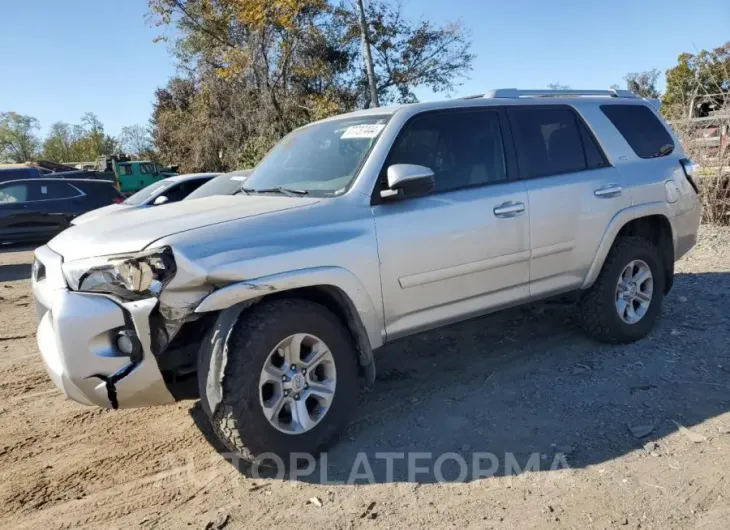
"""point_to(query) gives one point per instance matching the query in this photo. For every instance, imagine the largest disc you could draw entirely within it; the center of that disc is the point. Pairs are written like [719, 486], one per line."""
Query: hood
[104, 210]
[139, 227]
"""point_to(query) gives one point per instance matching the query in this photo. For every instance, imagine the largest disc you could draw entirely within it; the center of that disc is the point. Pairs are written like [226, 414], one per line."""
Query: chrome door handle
[509, 209]
[608, 191]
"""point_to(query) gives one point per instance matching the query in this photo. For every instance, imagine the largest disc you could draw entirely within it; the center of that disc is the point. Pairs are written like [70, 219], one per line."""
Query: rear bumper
[77, 340]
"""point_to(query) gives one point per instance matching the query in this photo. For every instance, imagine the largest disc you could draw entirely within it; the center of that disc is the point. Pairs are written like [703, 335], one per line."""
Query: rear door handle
[608, 191]
[509, 209]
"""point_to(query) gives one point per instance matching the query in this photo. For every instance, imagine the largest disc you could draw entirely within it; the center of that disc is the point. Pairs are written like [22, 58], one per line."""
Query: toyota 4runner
[355, 231]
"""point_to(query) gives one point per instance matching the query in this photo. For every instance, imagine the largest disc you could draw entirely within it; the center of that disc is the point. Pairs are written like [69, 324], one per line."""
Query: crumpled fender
[362, 319]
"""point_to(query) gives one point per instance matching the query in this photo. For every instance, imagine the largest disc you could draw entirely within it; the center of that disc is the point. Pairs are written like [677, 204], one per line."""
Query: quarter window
[462, 148]
[641, 128]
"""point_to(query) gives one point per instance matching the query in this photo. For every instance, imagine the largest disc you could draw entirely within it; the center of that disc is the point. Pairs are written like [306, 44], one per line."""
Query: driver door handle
[509, 209]
[608, 191]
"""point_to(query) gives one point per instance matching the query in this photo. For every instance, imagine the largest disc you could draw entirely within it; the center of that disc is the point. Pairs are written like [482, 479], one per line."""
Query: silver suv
[355, 231]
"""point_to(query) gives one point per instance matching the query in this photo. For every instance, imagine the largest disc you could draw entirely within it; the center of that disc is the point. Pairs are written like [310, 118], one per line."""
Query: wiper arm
[277, 189]
[663, 151]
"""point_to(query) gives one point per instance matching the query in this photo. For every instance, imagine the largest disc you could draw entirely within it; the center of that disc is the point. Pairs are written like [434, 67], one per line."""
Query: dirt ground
[645, 429]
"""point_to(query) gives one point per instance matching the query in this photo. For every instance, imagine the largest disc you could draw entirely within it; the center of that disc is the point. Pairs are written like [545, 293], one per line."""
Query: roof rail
[514, 93]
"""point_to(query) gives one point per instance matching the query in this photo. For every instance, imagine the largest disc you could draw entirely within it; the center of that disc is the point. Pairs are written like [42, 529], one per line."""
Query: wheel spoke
[292, 349]
[323, 391]
[316, 357]
[621, 305]
[301, 416]
[642, 275]
[631, 315]
[272, 410]
[643, 297]
[270, 374]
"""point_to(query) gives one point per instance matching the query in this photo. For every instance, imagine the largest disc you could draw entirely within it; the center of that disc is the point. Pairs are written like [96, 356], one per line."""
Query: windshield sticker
[239, 178]
[363, 131]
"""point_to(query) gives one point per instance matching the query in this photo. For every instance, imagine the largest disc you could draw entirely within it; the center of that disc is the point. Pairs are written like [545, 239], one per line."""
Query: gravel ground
[637, 436]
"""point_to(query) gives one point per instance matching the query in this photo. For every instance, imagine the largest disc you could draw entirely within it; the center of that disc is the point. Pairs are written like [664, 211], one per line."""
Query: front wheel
[289, 383]
[625, 302]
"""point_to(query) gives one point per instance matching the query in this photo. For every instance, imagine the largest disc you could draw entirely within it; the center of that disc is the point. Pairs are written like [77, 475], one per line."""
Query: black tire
[598, 315]
[238, 419]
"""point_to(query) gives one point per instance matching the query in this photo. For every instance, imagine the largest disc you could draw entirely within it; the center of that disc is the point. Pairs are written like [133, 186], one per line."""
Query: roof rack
[514, 93]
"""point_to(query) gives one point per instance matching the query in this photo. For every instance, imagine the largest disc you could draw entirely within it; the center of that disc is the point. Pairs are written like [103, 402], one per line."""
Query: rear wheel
[290, 381]
[625, 302]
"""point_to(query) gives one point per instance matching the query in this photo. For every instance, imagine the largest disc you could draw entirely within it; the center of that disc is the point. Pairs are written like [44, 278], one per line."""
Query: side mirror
[162, 199]
[408, 180]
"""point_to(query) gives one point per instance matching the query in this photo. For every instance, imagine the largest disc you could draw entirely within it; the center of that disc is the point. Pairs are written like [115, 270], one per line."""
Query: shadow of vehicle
[526, 386]
[11, 273]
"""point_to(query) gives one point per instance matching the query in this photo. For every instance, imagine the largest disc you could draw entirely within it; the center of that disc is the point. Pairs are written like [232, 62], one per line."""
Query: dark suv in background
[38, 209]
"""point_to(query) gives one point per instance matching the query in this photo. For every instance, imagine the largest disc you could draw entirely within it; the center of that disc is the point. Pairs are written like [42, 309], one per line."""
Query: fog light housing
[129, 345]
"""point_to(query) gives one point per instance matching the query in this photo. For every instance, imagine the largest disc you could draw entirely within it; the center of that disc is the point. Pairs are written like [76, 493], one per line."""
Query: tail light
[689, 168]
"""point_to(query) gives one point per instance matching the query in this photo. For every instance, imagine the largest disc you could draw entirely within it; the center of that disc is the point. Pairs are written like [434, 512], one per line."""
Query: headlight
[130, 276]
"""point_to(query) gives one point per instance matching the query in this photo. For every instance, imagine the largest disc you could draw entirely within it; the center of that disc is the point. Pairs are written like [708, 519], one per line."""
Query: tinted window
[594, 155]
[641, 128]
[462, 148]
[549, 140]
[182, 190]
[54, 190]
[13, 193]
[146, 169]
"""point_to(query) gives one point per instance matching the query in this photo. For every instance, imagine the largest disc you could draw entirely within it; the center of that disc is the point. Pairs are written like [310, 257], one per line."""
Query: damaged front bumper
[77, 338]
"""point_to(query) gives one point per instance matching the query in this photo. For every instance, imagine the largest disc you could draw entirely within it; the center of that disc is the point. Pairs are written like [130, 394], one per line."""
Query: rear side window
[552, 140]
[641, 128]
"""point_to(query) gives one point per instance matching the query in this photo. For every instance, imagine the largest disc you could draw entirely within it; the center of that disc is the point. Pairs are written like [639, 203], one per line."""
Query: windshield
[222, 185]
[321, 159]
[146, 193]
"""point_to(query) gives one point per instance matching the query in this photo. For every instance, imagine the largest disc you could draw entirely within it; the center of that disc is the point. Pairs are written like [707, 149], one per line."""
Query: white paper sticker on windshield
[370, 130]
[239, 178]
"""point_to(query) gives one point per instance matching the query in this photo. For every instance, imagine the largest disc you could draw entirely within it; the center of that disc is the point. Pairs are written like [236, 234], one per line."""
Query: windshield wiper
[663, 151]
[278, 189]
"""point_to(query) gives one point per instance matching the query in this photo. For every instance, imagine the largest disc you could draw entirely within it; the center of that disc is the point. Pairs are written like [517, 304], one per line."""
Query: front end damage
[104, 351]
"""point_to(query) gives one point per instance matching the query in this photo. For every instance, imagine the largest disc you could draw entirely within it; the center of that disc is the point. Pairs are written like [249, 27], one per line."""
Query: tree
[643, 84]
[698, 83]
[59, 143]
[253, 71]
[135, 140]
[19, 141]
[82, 142]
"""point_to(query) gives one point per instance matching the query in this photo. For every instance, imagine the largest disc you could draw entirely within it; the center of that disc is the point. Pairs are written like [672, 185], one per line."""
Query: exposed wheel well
[334, 299]
[655, 228]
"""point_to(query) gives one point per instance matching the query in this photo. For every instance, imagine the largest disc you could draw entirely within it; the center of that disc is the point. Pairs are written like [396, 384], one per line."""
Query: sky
[62, 58]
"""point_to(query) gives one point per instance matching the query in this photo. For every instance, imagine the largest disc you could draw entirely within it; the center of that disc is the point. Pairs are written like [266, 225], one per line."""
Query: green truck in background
[133, 175]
